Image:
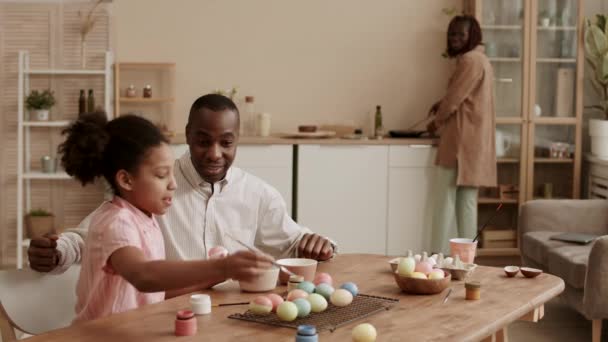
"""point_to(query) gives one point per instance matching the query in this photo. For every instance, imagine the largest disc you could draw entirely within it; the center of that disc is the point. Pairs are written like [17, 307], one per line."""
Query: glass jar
[473, 290]
[131, 91]
[148, 91]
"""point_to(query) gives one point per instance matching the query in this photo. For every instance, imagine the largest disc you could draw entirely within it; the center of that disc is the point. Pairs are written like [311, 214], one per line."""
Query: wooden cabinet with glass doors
[535, 47]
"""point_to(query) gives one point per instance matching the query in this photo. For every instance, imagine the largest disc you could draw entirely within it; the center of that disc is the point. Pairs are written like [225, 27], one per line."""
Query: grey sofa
[584, 268]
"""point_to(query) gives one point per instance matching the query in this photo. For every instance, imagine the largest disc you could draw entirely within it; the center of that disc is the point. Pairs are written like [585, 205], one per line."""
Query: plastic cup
[464, 248]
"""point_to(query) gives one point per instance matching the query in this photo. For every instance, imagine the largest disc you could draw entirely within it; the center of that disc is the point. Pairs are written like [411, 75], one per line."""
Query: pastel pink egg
[218, 252]
[295, 294]
[323, 278]
[276, 300]
[260, 305]
[424, 267]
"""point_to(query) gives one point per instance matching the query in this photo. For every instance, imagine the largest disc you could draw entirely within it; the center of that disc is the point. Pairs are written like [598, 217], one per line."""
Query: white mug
[503, 144]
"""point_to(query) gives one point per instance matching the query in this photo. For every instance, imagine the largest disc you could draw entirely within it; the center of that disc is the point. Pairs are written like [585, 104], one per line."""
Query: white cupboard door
[271, 163]
[411, 174]
[342, 194]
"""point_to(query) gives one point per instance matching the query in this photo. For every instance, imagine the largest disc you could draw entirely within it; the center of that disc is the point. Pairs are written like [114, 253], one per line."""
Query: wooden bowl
[422, 286]
[529, 272]
[511, 271]
[461, 273]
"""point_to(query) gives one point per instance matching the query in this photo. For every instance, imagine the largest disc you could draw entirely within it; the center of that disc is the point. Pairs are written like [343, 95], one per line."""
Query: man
[214, 203]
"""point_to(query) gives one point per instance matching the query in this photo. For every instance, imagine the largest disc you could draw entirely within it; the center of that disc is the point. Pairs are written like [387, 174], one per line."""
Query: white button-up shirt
[241, 204]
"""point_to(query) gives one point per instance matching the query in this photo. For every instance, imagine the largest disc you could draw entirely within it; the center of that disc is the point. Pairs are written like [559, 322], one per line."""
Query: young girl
[123, 264]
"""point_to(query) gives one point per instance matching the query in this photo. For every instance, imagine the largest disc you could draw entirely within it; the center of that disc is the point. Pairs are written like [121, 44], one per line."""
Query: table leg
[534, 315]
[501, 335]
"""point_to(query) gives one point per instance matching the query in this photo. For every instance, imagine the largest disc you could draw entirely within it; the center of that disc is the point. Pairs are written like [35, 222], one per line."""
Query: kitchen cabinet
[410, 198]
[271, 163]
[342, 193]
[536, 51]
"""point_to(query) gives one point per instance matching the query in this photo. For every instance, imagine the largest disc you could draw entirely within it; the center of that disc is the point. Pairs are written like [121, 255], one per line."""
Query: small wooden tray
[330, 319]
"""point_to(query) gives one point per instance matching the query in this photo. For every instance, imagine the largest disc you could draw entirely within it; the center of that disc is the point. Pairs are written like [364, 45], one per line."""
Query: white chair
[34, 302]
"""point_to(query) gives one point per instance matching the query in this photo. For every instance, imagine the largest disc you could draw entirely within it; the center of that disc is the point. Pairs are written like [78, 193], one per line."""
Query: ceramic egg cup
[460, 273]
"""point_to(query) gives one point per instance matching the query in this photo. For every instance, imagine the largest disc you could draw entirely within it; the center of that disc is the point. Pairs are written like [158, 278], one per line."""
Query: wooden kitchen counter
[276, 140]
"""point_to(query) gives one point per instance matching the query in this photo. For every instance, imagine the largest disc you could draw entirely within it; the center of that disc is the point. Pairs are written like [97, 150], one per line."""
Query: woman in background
[465, 119]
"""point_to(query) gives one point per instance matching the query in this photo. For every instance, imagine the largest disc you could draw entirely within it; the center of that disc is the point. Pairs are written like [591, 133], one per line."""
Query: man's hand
[43, 254]
[316, 247]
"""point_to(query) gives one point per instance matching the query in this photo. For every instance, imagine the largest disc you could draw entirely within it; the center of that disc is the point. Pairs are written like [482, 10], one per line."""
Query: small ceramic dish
[460, 273]
[511, 271]
[529, 272]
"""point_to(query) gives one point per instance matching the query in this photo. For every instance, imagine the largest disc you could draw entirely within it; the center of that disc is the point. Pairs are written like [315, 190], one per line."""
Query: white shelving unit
[24, 172]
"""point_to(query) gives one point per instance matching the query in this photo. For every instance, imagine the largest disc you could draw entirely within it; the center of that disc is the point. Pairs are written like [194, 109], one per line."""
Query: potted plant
[596, 53]
[39, 103]
[39, 222]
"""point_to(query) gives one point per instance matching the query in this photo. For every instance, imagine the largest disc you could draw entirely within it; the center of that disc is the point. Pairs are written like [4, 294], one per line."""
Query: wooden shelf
[498, 252]
[556, 28]
[554, 160]
[556, 60]
[147, 100]
[63, 123]
[507, 160]
[44, 175]
[509, 120]
[64, 72]
[552, 120]
[502, 27]
[146, 65]
[505, 59]
[486, 200]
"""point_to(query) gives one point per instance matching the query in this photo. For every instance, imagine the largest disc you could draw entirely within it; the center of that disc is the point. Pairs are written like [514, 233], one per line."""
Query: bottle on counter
[131, 91]
[248, 123]
[91, 102]
[82, 102]
[378, 127]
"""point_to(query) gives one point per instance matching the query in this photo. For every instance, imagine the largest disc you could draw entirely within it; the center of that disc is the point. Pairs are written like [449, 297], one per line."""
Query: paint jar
[200, 304]
[185, 323]
[473, 290]
[307, 333]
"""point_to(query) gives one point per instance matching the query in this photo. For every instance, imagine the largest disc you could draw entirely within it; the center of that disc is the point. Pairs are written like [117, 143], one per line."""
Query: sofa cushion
[537, 244]
[570, 263]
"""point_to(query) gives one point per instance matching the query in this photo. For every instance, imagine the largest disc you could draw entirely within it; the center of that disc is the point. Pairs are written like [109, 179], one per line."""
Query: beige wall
[315, 61]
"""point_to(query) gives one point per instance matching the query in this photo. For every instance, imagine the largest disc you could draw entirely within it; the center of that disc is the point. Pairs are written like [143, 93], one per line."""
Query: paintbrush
[445, 300]
[229, 304]
[255, 250]
[487, 222]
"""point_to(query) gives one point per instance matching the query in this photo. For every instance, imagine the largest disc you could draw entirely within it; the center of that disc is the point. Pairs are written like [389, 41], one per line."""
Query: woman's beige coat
[466, 121]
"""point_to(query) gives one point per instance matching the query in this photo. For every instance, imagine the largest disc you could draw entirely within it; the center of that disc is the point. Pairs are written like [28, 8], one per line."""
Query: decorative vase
[598, 130]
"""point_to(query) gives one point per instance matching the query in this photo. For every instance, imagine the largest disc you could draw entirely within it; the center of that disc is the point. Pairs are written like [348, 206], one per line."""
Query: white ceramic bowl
[300, 266]
[265, 282]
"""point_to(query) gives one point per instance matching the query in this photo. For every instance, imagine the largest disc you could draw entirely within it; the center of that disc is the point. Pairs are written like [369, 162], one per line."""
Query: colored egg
[217, 252]
[317, 302]
[341, 297]
[324, 290]
[287, 311]
[275, 299]
[437, 274]
[323, 278]
[364, 333]
[295, 294]
[307, 286]
[260, 305]
[351, 287]
[424, 267]
[419, 275]
[303, 306]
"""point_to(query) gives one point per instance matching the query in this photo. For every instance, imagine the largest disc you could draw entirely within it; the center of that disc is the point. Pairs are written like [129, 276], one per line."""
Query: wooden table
[417, 318]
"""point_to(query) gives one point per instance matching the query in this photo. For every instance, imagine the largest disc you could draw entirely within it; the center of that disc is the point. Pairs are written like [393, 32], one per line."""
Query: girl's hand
[246, 265]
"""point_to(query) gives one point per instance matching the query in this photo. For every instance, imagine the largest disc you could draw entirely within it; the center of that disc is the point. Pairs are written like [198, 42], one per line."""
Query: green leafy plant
[596, 54]
[39, 212]
[40, 100]
[228, 93]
